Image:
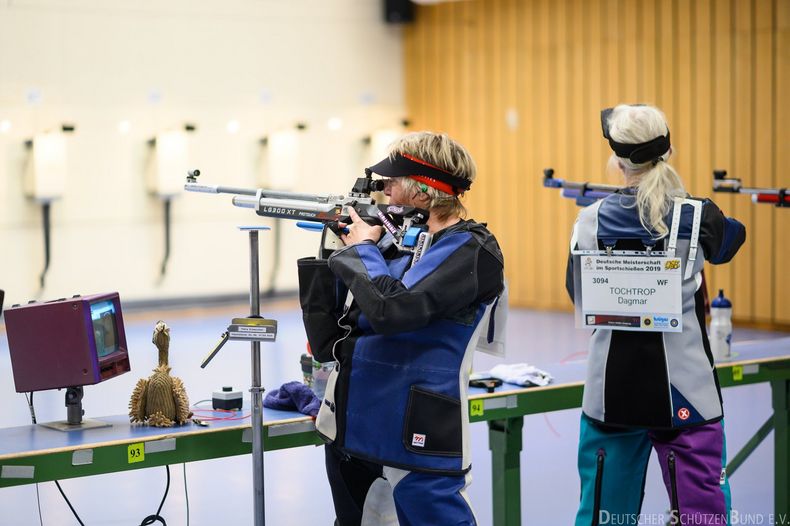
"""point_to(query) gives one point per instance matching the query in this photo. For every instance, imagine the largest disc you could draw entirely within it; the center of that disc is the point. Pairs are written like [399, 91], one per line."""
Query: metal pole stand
[255, 330]
[256, 389]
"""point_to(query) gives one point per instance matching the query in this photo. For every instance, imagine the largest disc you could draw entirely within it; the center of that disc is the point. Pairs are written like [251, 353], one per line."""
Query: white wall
[94, 63]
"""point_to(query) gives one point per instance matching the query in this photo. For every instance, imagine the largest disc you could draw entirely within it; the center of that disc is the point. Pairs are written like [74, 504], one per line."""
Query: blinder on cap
[640, 153]
[408, 166]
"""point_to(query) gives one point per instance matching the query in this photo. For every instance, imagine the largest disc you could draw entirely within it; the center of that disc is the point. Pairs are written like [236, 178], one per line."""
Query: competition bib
[628, 292]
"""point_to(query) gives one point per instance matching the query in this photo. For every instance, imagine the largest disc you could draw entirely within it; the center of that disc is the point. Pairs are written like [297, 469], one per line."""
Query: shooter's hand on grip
[358, 230]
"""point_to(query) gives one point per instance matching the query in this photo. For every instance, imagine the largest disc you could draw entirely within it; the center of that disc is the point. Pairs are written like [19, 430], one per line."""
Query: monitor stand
[74, 421]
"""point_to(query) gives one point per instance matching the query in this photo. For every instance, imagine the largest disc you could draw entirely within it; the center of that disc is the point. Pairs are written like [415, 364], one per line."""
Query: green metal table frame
[505, 438]
[504, 412]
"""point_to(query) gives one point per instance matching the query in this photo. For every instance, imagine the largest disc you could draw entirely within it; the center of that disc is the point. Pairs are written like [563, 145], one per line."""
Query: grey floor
[219, 491]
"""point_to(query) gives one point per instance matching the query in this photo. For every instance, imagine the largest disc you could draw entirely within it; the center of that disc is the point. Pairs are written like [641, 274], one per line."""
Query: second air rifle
[407, 225]
[586, 194]
[777, 196]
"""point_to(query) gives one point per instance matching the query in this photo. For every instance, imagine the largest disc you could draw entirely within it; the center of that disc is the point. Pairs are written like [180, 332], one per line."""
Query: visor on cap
[407, 166]
[640, 153]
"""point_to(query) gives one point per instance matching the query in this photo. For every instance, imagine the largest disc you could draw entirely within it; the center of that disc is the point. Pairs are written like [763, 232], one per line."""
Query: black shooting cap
[402, 165]
[651, 150]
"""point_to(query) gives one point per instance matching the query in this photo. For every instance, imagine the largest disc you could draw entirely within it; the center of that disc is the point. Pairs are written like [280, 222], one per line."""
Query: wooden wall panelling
[483, 195]
[461, 49]
[680, 113]
[428, 71]
[443, 95]
[526, 185]
[722, 147]
[511, 179]
[431, 71]
[718, 69]
[781, 151]
[465, 46]
[571, 133]
[573, 140]
[414, 64]
[574, 145]
[542, 153]
[477, 108]
[699, 65]
[597, 99]
[743, 166]
[411, 80]
[628, 66]
[665, 58]
[556, 100]
[562, 83]
[702, 99]
[610, 53]
[494, 209]
[448, 68]
[763, 130]
[538, 158]
[704, 63]
[649, 47]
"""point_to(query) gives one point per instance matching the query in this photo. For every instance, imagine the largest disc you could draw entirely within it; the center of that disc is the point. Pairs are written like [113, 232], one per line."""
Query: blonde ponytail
[656, 190]
[657, 183]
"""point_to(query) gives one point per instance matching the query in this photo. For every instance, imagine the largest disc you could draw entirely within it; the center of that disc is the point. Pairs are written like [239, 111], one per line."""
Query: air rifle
[407, 225]
[777, 196]
[586, 194]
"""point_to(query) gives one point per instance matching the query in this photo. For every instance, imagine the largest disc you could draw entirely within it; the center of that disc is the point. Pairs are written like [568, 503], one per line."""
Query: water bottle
[306, 361]
[321, 373]
[720, 327]
[315, 374]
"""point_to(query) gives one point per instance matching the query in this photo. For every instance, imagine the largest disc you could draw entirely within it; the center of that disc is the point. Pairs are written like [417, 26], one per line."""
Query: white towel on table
[522, 374]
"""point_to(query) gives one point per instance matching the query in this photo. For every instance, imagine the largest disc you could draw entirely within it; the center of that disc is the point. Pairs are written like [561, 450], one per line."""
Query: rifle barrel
[589, 187]
[215, 189]
[289, 204]
[770, 198]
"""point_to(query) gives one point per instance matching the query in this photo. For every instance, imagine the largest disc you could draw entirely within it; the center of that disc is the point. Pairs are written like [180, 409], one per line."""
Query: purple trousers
[613, 464]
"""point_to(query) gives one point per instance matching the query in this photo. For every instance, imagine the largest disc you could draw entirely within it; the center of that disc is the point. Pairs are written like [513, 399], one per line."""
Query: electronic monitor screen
[105, 329]
[66, 342]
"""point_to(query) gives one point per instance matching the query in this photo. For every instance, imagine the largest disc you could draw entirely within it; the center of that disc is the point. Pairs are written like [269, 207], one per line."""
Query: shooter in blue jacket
[403, 335]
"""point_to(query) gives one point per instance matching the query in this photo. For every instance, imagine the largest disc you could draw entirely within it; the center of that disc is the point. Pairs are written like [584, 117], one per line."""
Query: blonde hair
[657, 183]
[443, 152]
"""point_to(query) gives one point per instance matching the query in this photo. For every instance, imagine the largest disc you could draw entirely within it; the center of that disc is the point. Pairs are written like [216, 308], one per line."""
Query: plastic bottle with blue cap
[720, 327]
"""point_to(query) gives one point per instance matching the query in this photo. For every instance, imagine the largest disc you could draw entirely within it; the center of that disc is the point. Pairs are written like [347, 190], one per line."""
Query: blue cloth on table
[293, 396]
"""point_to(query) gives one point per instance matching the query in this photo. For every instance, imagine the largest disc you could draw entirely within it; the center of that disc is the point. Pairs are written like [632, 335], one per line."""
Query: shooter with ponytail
[651, 382]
